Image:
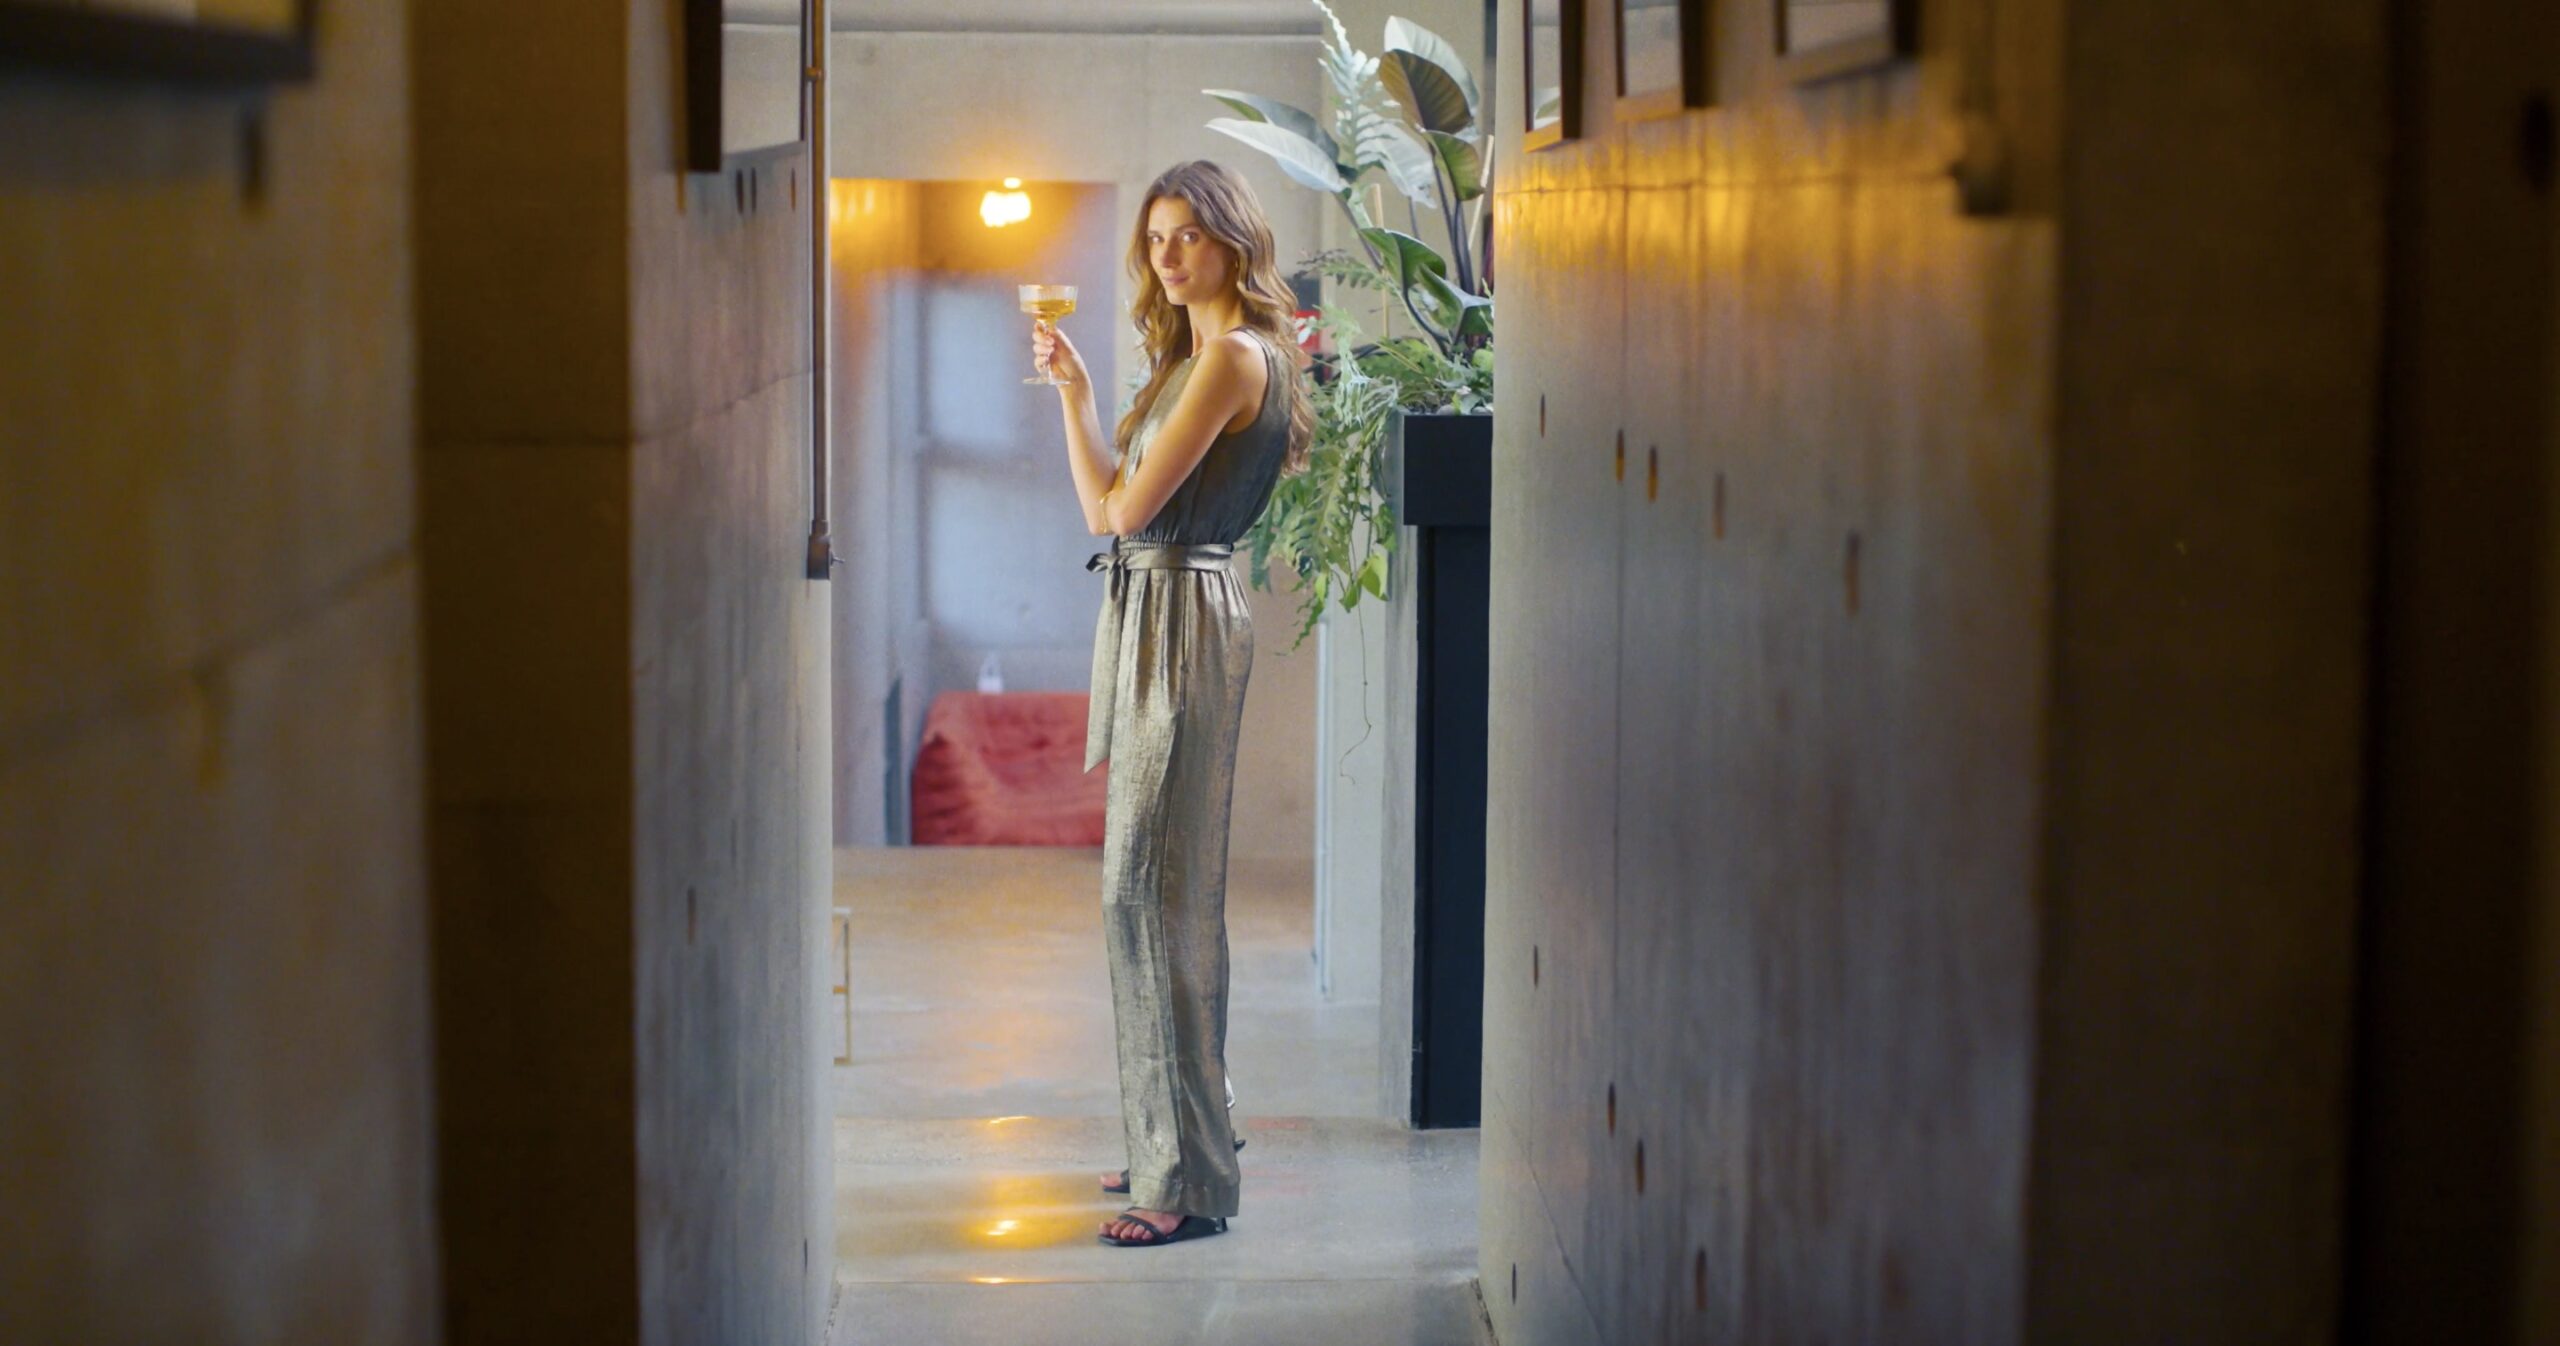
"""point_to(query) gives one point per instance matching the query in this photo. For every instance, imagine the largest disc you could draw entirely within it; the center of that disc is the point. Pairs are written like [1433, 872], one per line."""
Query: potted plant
[1403, 440]
[1407, 118]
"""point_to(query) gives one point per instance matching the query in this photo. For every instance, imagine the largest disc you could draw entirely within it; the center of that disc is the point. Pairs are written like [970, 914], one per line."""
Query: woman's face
[1190, 264]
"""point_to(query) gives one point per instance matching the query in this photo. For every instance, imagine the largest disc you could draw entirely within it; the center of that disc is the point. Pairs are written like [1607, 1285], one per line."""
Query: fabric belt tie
[1116, 564]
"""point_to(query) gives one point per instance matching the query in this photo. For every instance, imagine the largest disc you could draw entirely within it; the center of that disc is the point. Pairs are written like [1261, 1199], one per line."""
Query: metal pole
[813, 23]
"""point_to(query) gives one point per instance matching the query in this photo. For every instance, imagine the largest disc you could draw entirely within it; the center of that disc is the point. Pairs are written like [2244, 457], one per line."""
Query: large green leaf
[1429, 99]
[1463, 162]
[1445, 303]
[1408, 164]
[1455, 309]
[1255, 107]
[1406, 35]
[1407, 259]
[1302, 159]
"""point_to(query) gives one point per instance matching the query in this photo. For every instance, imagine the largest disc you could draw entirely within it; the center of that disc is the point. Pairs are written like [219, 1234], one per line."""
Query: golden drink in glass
[1047, 304]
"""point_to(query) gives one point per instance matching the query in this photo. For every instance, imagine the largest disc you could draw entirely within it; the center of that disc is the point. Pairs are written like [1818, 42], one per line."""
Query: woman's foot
[1149, 1228]
[1125, 1224]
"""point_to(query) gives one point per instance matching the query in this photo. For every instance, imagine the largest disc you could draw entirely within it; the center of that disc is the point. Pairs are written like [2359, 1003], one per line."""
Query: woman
[1222, 416]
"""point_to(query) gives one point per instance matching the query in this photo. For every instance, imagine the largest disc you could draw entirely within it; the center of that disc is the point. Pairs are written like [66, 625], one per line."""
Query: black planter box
[1439, 478]
[1439, 469]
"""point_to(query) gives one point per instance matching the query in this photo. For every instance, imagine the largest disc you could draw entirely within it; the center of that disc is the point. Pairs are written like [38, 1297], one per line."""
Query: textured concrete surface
[628, 697]
[1350, 802]
[875, 247]
[1863, 793]
[213, 998]
[524, 403]
[729, 663]
[2221, 333]
[981, 1111]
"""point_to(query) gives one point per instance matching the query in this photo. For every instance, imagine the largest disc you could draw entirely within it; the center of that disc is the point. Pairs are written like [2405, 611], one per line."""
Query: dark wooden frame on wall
[706, 71]
[1693, 91]
[1568, 122]
[1900, 39]
[150, 47]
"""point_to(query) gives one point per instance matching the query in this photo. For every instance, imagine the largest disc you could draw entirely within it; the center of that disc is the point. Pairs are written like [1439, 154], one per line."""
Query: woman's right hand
[1054, 355]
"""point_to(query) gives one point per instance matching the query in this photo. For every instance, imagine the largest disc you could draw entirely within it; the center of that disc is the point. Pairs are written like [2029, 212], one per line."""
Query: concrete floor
[982, 1107]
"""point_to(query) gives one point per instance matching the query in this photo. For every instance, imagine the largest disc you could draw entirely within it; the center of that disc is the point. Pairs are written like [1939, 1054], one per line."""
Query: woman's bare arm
[1089, 455]
[1219, 389]
[1091, 460]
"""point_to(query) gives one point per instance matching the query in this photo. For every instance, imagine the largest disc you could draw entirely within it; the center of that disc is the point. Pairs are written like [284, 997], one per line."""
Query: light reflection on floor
[980, 991]
[982, 1110]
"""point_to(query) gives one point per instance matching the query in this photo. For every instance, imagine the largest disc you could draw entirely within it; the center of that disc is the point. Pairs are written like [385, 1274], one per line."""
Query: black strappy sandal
[1121, 1188]
[1192, 1227]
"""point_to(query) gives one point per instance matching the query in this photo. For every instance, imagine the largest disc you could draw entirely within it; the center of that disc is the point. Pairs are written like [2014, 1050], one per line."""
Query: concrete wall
[1923, 776]
[627, 689]
[2222, 337]
[877, 243]
[1358, 812]
[730, 668]
[1105, 108]
[213, 970]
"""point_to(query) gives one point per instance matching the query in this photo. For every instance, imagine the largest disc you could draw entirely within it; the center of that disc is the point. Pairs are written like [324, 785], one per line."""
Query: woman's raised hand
[1054, 355]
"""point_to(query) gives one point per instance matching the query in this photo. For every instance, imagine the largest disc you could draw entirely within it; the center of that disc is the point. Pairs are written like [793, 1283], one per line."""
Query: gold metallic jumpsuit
[1172, 650]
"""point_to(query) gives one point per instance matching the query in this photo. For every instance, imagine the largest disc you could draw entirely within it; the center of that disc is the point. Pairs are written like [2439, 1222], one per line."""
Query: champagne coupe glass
[1048, 303]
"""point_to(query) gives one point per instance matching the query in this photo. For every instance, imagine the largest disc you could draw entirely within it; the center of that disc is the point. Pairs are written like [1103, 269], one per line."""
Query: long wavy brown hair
[1228, 211]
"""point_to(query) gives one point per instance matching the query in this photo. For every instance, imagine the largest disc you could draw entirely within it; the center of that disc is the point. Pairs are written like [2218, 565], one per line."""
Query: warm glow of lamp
[1010, 206]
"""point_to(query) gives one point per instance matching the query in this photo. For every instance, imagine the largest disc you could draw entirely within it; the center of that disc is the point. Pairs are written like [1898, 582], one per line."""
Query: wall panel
[1551, 867]
[1661, 756]
[1823, 692]
[214, 1012]
[1921, 588]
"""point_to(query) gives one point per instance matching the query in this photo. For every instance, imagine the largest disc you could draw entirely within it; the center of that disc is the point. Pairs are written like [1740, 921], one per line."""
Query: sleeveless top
[1233, 481]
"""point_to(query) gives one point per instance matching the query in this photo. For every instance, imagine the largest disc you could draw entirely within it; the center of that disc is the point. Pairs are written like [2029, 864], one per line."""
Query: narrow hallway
[1958, 744]
[981, 1109]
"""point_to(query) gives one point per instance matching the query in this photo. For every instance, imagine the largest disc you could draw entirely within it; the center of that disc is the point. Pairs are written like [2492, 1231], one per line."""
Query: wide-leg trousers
[1173, 651]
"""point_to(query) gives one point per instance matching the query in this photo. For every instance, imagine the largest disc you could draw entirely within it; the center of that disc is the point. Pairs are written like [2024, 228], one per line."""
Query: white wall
[1112, 109]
